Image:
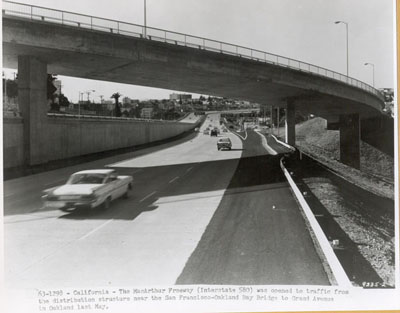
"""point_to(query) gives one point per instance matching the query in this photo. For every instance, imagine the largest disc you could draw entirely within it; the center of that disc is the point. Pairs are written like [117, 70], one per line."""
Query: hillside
[377, 169]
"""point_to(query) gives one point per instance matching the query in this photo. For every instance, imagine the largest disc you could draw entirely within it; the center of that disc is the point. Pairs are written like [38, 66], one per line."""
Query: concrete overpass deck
[96, 48]
[38, 40]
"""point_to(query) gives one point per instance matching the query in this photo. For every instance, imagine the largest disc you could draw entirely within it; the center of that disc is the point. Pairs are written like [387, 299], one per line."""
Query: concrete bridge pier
[290, 123]
[32, 99]
[349, 129]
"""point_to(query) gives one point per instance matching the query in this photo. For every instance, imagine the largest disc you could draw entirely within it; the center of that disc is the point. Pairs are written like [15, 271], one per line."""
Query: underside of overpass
[37, 47]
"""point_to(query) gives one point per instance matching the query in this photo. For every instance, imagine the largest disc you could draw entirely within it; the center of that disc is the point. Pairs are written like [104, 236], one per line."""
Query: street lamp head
[337, 22]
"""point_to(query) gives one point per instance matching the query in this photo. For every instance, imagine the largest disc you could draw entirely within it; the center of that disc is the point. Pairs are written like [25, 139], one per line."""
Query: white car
[89, 189]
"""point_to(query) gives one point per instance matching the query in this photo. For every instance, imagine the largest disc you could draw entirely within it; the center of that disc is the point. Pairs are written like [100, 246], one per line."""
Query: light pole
[145, 22]
[88, 94]
[80, 98]
[347, 44]
[373, 73]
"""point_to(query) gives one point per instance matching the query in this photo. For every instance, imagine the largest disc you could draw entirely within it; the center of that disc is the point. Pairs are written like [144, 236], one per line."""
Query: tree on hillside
[63, 100]
[51, 89]
[51, 96]
[116, 97]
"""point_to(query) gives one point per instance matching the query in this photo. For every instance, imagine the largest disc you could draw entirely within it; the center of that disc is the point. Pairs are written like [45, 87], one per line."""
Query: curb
[283, 143]
[333, 262]
[269, 149]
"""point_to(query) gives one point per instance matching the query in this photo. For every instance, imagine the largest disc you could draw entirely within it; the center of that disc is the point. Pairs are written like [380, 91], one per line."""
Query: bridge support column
[349, 127]
[32, 100]
[290, 130]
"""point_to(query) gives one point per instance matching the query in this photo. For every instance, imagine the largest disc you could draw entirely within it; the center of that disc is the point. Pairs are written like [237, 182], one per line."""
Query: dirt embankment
[377, 169]
[369, 224]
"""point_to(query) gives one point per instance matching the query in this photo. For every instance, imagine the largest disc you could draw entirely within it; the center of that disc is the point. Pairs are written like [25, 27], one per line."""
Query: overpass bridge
[38, 40]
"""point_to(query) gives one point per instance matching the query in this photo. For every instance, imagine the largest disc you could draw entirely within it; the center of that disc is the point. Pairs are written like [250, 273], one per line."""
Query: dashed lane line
[148, 196]
[95, 229]
[172, 180]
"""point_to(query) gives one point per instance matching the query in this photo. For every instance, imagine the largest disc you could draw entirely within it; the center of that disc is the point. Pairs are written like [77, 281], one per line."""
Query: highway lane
[257, 235]
[184, 193]
[54, 240]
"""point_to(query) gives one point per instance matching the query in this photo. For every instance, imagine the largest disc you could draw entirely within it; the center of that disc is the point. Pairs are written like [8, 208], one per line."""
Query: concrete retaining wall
[68, 138]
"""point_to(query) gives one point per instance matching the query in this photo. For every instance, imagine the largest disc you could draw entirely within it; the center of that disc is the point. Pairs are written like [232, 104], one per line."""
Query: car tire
[127, 192]
[107, 203]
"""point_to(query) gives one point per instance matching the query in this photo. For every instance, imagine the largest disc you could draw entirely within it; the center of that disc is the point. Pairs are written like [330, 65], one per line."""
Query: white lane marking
[148, 196]
[96, 229]
[265, 144]
[189, 169]
[334, 264]
[244, 138]
[172, 180]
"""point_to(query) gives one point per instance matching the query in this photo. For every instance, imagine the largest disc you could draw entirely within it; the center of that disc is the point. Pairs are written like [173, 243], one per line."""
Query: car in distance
[214, 132]
[224, 143]
[206, 132]
[88, 189]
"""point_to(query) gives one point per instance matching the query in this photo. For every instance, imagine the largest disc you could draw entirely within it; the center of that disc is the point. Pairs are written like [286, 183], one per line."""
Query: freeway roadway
[196, 216]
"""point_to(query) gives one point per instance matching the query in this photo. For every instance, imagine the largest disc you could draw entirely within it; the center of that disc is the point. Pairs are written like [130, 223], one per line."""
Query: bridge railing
[129, 29]
[112, 118]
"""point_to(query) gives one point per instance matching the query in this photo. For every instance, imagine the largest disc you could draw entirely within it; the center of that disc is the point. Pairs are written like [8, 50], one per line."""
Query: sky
[298, 29]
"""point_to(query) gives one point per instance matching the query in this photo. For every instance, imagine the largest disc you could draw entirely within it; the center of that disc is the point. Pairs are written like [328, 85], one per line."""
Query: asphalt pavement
[196, 215]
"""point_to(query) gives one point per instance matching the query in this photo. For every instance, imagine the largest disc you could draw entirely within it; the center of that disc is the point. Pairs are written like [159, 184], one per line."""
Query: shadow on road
[372, 211]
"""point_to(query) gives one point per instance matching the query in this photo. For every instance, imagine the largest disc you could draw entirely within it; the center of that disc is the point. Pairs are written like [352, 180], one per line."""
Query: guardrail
[150, 33]
[114, 118]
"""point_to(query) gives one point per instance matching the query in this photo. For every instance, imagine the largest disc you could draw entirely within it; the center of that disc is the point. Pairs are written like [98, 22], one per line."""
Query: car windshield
[86, 179]
[224, 140]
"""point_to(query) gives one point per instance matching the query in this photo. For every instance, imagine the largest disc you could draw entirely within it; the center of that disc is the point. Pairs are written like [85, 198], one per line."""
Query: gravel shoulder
[361, 201]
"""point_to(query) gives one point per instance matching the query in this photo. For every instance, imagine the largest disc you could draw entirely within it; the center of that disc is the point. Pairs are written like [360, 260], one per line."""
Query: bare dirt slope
[377, 169]
[370, 226]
